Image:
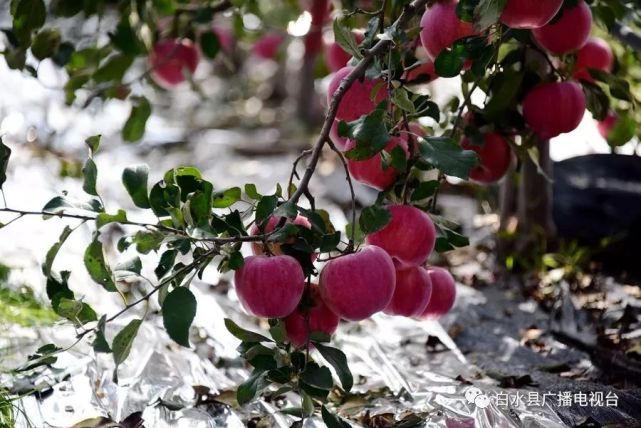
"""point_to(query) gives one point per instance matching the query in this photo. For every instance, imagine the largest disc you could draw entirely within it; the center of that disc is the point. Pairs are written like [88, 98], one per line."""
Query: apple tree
[538, 65]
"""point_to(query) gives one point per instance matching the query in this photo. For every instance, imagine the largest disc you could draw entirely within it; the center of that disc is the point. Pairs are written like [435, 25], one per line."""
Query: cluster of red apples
[387, 275]
[549, 109]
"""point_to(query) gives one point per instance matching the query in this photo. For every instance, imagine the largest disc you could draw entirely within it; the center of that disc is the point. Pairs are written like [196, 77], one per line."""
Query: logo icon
[475, 396]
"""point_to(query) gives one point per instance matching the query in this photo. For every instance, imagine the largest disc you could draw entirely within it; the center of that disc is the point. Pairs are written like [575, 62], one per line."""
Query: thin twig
[348, 177]
[155, 289]
[228, 240]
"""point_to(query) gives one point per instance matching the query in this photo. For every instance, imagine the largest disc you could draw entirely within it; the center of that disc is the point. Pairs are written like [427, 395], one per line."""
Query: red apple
[270, 287]
[358, 285]
[170, 58]
[335, 57]
[225, 37]
[319, 318]
[425, 72]
[443, 293]
[412, 293]
[606, 125]
[357, 101]
[258, 248]
[409, 237]
[529, 14]
[569, 33]
[338, 141]
[494, 158]
[370, 171]
[595, 54]
[554, 108]
[441, 27]
[267, 45]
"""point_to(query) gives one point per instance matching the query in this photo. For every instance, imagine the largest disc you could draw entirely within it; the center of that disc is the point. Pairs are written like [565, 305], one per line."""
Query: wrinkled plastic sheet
[385, 354]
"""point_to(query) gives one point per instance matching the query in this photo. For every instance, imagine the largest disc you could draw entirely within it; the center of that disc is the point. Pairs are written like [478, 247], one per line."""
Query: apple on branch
[270, 287]
[357, 285]
[170, 59]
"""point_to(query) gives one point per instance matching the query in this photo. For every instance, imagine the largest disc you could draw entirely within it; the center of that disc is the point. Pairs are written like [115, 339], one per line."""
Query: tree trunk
[535, 200]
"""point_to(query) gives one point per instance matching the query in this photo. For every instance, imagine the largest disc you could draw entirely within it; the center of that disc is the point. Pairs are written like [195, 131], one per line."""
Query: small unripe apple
[258, 247]
[314, 316]
[595, 54]
[267, 45]
[370, 171]
[357, 101]
[170, 58]
[358, 285]
[424, 73]
[412, 293]
[443, 293]
[567, 34]
[270, 287]
[494, 158]
[554, 108]
[409, 237]
[338, 141]
[441, 27]
[336, 57]
[528, 14]
[606, 125]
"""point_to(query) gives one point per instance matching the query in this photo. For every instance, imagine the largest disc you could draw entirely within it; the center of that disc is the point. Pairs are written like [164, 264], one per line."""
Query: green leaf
[90, 174]
[226, 198]
[165, 264]
[134, 128]
[401, 98]
[487, 13]
[446, 155]
[78, 312]
[345, 38]
[287, 209]
[53, 251]
[373, 219]
[505, 90]
[318, 377]
[278, 331]
[338, 360]
[209, 44]
[597, 101]
[93, 143]
[97, 267]
[308, 404]
[46, 43]
[100, 342]
[114, 69]
[370, 134]
[424, 190]
[247, 390]
[178, 312]
[28, 15]
[450, 61]
[5, 153]
[134, 179]
[333, 421]
[242, 334]
[44, 356]
[124, 339]
[59, 204]
[265, 207]
[146, 241]
[251, 192]
[104, 218]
